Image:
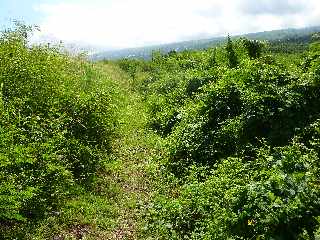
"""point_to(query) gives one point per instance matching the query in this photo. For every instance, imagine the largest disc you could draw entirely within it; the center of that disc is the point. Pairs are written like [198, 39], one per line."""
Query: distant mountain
[278, 37]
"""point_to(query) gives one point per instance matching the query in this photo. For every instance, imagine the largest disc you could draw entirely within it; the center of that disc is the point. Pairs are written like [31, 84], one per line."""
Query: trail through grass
[130, 172]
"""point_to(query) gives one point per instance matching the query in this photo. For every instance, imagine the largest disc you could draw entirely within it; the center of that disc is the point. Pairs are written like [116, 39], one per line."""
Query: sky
[115, 24]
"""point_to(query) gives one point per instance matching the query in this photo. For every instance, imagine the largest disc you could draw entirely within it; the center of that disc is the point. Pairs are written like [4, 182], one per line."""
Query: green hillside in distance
[291, 37]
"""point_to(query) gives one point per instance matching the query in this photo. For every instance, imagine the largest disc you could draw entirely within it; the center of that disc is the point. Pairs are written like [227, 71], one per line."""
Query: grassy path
[131, 170]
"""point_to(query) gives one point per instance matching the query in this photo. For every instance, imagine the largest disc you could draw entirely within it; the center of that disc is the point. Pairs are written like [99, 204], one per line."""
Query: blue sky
[116, 24]
[19, 10]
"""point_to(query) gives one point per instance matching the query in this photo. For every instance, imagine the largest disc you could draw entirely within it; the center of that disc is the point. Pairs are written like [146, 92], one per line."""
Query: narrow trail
[131, 169]
[114, 211]
[114, 208]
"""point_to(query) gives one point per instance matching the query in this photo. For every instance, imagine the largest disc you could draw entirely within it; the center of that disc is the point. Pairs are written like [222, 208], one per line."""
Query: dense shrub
[242, 147]
[232, 113]
[275, 196]
[176, 77]
[173, 79]
[56, 123]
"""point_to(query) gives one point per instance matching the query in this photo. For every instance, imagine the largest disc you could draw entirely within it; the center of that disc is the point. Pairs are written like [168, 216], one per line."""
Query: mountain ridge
[146, 52]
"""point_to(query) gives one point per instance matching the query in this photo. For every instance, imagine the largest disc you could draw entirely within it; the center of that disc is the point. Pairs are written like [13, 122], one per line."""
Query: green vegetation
[57, 121]
[241, 146]
[221, 143]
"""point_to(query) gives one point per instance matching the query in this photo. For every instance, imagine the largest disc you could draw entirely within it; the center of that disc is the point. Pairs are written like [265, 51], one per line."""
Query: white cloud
[128, 23]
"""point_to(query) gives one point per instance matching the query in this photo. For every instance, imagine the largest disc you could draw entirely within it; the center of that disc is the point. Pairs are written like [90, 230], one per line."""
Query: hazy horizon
[123, 24]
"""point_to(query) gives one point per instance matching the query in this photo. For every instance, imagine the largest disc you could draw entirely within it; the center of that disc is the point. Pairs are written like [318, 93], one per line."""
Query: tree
[315, 45]
[231, 55]
[212, 59]
[253, 47]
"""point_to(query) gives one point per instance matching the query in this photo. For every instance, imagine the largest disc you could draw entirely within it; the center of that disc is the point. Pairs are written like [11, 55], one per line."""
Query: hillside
[219, 143]
[287, 36]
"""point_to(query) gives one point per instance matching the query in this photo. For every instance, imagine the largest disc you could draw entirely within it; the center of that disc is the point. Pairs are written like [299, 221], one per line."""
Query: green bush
[56, 123]
[242, 147]
[177, 77]
[232, 113]
[275, 196]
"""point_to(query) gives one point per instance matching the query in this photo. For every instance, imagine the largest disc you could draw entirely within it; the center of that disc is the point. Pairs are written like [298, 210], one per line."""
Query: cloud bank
[127, 23]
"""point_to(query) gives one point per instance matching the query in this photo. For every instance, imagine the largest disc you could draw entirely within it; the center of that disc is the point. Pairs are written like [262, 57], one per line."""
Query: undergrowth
[215, 144]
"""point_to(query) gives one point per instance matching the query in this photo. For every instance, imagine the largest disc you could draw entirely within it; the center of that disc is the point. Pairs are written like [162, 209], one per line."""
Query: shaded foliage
[56, 123]
[242, 142]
